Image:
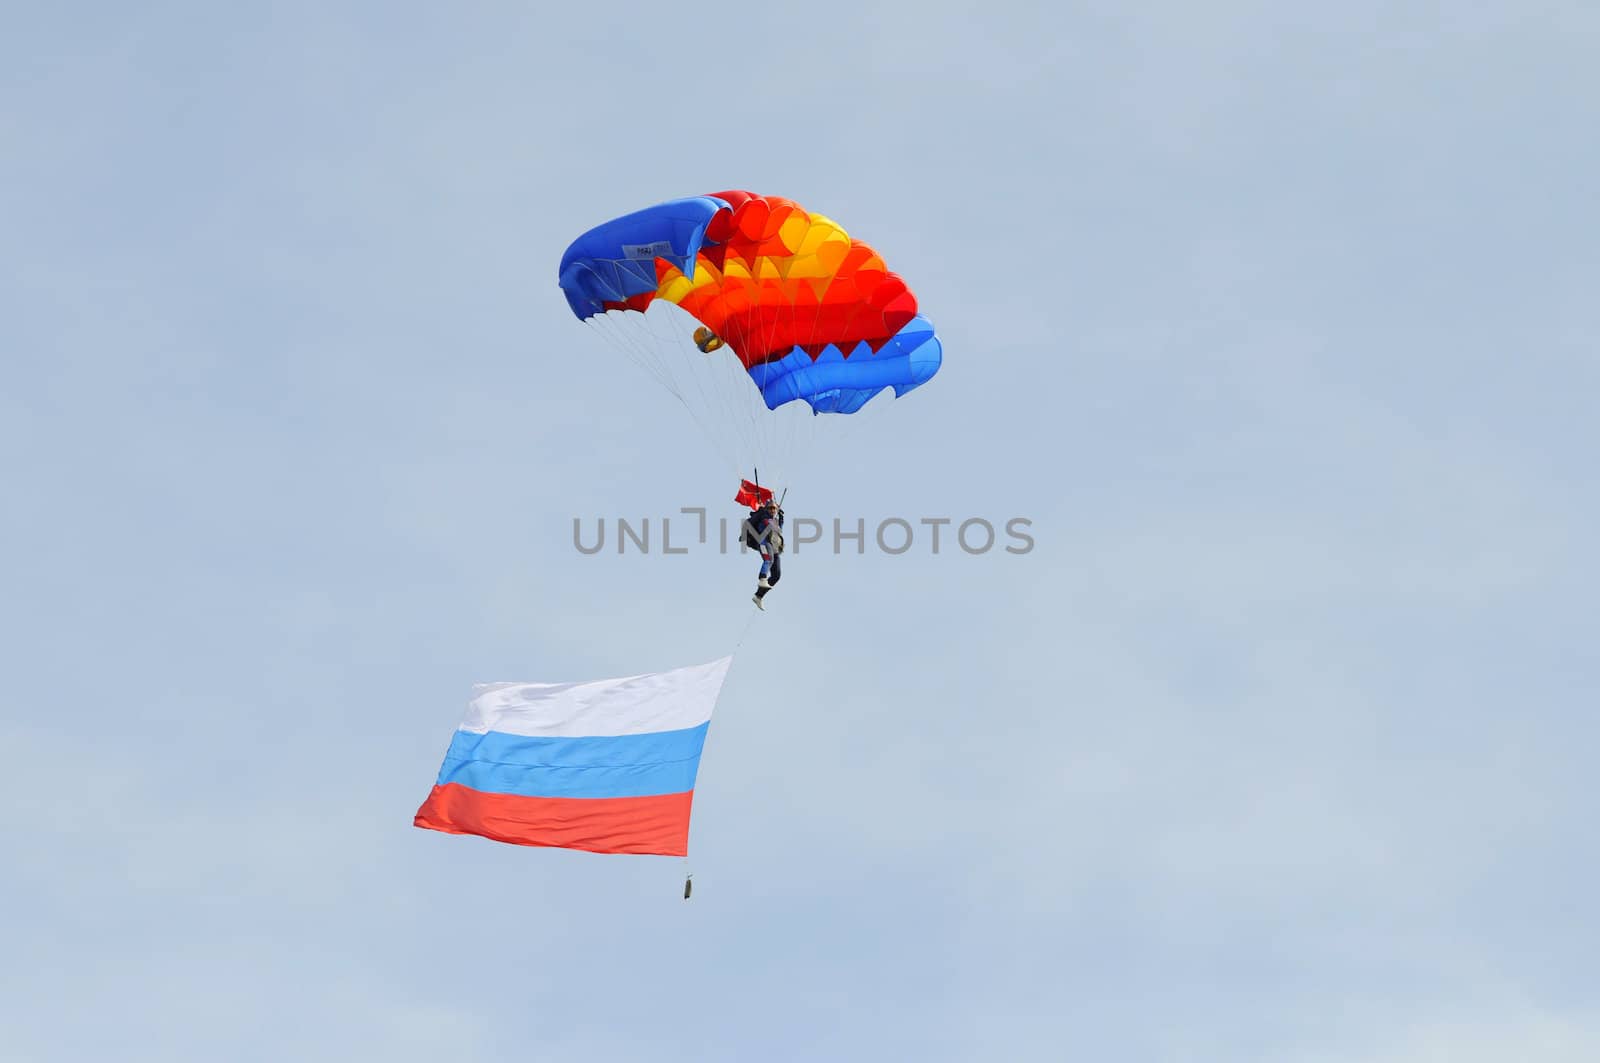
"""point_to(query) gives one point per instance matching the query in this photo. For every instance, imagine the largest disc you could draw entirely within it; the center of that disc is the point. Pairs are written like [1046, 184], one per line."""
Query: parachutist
[764, 532]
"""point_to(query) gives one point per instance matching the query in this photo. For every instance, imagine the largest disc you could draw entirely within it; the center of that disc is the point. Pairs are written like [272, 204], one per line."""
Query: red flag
[751, 495]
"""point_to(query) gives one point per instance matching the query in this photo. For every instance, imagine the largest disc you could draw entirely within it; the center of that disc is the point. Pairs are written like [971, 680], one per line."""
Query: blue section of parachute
[616, 261]
[835, 383]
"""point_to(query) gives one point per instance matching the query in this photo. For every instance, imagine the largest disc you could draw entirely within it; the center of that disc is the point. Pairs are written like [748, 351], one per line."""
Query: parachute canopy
[607, 766]
[810, 313]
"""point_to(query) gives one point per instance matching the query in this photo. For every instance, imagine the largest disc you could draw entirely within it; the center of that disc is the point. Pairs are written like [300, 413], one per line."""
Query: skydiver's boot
[756, 597]
[763, 584]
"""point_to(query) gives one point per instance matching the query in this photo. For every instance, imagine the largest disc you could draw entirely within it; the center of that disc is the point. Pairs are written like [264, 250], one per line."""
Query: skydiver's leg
[777, 570]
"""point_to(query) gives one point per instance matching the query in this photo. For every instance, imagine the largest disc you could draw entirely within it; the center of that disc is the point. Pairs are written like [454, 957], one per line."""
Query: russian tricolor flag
[607, 766]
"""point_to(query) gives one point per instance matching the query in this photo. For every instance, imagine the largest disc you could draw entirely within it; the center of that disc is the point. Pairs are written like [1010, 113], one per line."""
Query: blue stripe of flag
[663, 762]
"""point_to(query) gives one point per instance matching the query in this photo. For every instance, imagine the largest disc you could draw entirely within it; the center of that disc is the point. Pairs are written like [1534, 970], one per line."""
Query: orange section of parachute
[770, 277]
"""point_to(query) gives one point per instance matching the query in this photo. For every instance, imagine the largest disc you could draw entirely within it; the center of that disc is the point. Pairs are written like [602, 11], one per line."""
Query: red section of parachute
[640, 302]
[770, 278]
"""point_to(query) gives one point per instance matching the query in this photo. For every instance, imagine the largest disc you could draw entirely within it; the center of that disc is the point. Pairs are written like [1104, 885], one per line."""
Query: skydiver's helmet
[706, 340]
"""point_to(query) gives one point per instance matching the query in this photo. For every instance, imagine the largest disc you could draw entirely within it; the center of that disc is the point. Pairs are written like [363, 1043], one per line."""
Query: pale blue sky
[1278, 322]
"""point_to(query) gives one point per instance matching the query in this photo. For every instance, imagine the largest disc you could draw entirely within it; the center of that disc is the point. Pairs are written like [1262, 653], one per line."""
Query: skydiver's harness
[768, 540]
